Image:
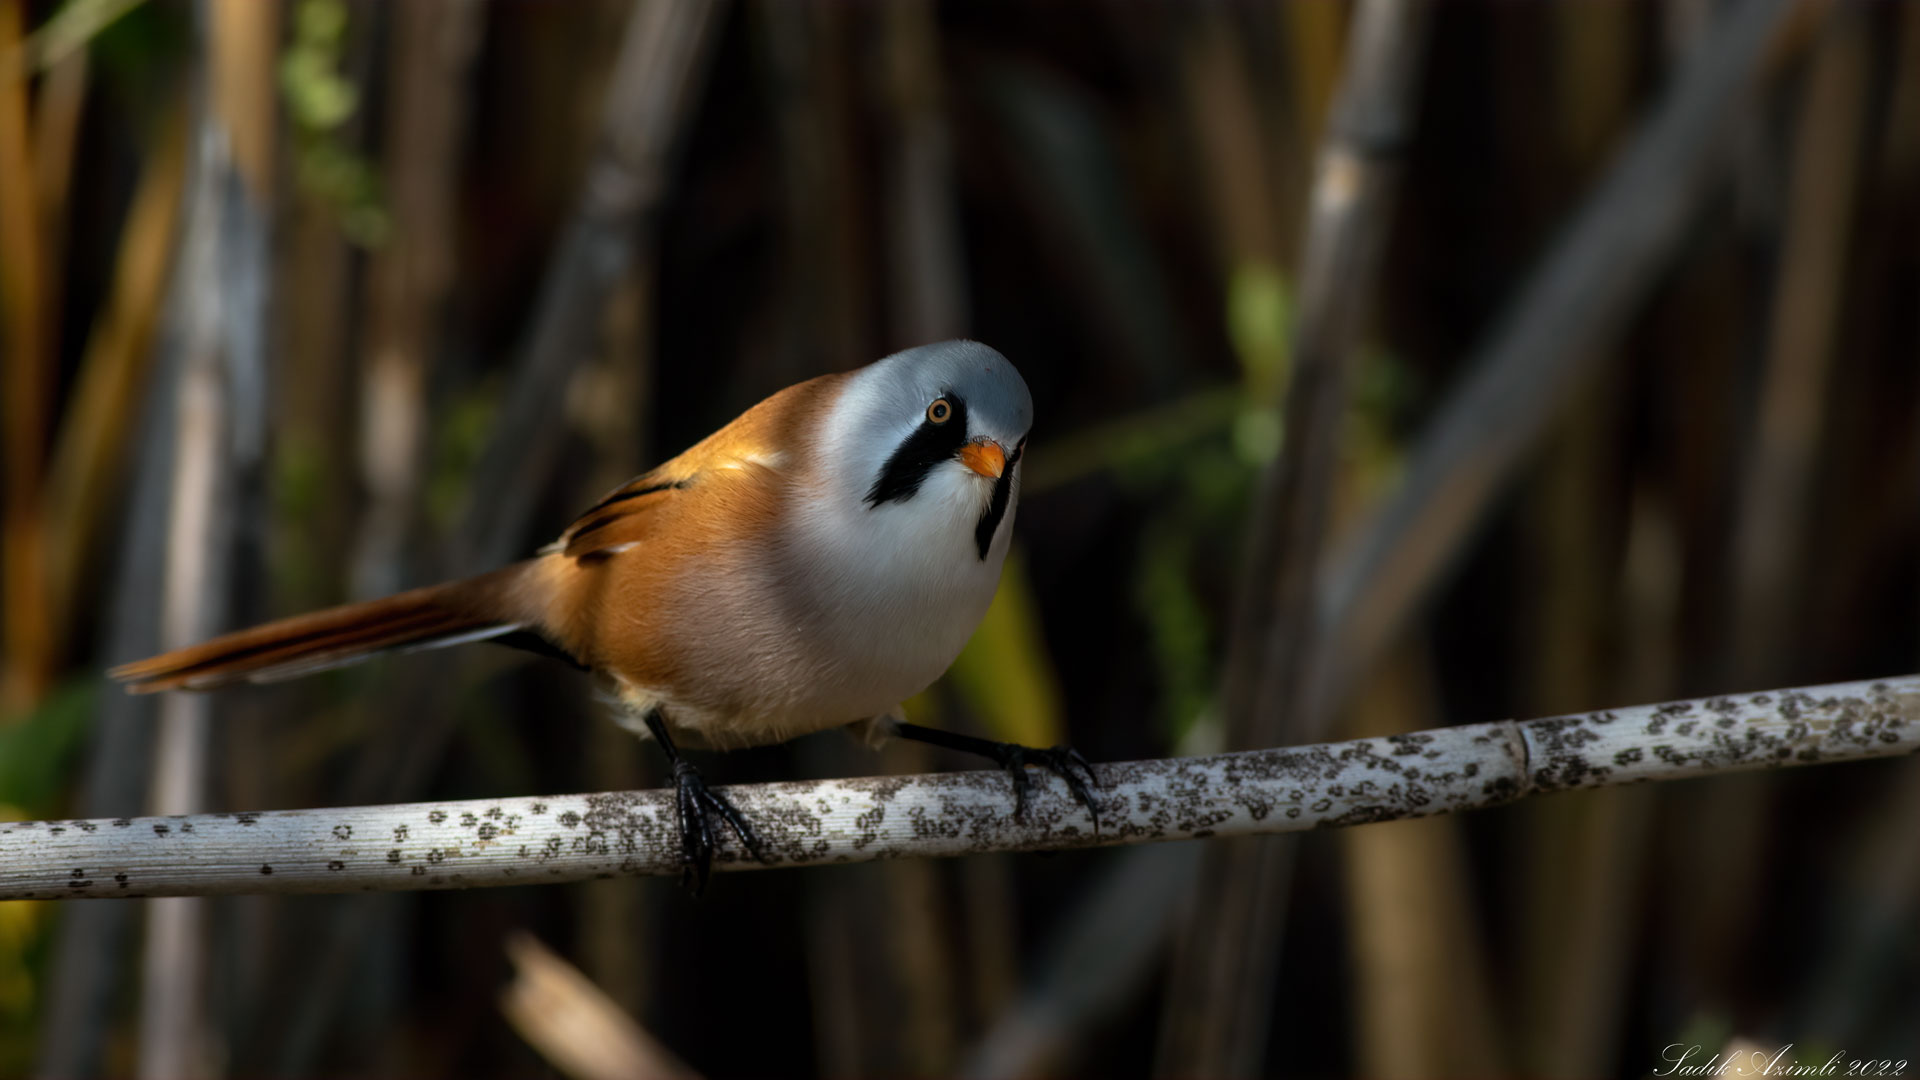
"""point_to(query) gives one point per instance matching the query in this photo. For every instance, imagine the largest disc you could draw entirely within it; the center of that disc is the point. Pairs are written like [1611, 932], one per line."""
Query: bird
[810, 565]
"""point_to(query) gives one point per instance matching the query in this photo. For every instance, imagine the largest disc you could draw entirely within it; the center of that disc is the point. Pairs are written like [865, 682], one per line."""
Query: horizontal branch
[523, 841]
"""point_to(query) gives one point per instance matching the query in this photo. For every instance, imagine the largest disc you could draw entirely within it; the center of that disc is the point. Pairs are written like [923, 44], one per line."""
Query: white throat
[898, 587]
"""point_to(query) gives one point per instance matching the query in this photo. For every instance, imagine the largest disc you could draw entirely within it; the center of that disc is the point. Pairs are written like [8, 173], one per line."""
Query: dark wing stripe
[605, 513]
[591, 526]
[629, 493]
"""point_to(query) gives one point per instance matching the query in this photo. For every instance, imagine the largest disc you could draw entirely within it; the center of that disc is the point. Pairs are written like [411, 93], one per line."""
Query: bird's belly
[883, 662]
[749, 675]
[852, 615]
[859, 669]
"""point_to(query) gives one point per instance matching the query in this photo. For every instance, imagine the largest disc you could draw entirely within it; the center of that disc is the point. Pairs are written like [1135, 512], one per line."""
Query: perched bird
[810, 565]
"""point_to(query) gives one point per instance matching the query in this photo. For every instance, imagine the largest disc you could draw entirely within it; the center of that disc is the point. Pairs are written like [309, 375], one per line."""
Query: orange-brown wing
[615, 521]
[764, 436]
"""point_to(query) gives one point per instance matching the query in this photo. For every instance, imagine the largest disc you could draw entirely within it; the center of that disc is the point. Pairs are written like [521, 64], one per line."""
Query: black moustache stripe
[929, 445]
[997, 507]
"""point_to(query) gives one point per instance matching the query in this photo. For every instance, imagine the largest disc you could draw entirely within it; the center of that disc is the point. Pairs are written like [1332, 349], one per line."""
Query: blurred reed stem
[1784, 444]
[656, 84]
[1220, 992]
[26, 390]
[1790, 416]
[1142, 436]
[576, 1026]
[65, 33]
[87, 965]
[1578, 901]
[56, 138]
[219, 309]
[325, 343]
[89, 458]
[927, 298]
[1422, 998]
[1544, 346]
[409, 279]
[1223, 110]
[1315, 39]
[1861, 964]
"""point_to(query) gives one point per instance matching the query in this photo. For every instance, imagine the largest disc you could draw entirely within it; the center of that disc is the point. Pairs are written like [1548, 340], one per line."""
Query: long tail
[473, 609]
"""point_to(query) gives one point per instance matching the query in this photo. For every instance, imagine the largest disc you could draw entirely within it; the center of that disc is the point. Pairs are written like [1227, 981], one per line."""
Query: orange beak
[985, 457]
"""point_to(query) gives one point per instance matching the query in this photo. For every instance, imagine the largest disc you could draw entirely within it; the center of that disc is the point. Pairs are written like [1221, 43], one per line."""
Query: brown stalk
[1581, 854]
[1790, 420]
[245, 38]
[1855, 971]
[929, 283]
[1578, 893]
[90, 450]
[1727, 832]
[220, 301]
[434, 46]
[1544, 348]
[25, 393]
[575, 1025]
[653, 93]
[1223, 111]
[1315, 35]
[56, 138]
[1422, 998]
[1221, 986]
[88, 965]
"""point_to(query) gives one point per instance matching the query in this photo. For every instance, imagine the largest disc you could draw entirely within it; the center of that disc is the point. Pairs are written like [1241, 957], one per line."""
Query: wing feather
[759, 438]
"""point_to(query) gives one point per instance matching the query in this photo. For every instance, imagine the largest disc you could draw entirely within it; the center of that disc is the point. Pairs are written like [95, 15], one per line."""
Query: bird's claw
[1058, 760]
[693, 802]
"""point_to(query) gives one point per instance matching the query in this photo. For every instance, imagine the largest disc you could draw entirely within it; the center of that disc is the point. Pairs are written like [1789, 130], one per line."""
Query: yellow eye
[939, 412]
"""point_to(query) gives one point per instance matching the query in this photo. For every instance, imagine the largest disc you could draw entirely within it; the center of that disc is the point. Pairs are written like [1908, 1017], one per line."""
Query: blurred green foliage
[321, 101]
[459, 435]
[38, 749]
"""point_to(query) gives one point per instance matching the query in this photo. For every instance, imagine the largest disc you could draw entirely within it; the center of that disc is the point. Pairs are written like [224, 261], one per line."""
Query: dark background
[1113, 195]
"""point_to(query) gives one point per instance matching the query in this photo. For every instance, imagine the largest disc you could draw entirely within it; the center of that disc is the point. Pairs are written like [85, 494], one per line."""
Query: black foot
[693, 802]
[1062, 761]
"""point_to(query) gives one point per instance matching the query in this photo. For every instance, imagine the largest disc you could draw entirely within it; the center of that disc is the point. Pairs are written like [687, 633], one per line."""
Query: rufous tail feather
[470, 610]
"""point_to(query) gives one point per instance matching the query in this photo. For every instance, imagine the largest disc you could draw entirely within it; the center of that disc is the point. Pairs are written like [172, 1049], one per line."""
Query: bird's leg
[693, 801]
[1062, 761]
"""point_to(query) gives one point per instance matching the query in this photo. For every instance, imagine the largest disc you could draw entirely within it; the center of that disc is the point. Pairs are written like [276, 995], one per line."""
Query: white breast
[894, 591]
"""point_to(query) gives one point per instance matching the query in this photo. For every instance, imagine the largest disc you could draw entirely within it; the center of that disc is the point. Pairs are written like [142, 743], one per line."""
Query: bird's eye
[940, 411]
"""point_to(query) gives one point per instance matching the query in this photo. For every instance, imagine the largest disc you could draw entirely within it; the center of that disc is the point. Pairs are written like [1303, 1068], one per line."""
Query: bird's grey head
[954, 408]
